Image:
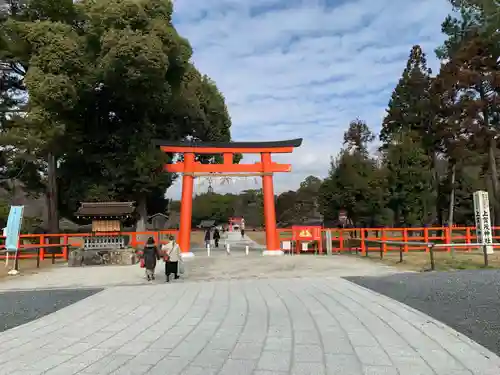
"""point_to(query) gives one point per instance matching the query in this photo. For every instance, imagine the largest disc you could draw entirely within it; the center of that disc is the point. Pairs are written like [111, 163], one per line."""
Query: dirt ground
[260, 236]
[197, 238]
[257, 236]
[28, 266]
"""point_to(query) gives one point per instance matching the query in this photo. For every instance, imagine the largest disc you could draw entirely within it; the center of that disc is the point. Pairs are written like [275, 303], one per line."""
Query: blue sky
[305, 68]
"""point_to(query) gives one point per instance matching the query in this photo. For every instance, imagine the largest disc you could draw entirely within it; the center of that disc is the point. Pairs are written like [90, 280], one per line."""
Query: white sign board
[287, 245]
[305, 246]
[483, 221]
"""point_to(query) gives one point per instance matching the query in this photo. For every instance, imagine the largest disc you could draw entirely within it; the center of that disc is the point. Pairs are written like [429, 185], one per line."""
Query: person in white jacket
[172, 256]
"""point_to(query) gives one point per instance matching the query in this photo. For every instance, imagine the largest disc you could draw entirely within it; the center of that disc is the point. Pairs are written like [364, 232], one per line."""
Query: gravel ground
[468, 301]
[21, 307]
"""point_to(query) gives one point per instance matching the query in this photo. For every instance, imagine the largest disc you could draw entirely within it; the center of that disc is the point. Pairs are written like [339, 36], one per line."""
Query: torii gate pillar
[186, 207]
[190, 169]
[272, 240]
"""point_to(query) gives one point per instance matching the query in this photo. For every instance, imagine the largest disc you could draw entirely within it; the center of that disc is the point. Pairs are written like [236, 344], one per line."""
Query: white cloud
[305, 68]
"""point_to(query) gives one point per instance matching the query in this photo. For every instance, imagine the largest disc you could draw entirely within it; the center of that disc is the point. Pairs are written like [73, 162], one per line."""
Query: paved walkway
[259, 327]
[234, 240]
[219, 266]
[235, 315]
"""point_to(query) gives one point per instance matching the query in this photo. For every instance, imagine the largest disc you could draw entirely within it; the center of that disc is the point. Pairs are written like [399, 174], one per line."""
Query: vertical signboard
[13, 228]
[483, 220]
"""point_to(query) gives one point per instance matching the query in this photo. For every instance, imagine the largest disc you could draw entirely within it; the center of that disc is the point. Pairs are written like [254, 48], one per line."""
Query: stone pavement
[315, 326]
[219, 266]
[234, 240]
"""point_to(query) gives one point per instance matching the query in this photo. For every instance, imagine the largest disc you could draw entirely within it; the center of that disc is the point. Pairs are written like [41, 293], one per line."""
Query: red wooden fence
[49, 243]
[342, 239]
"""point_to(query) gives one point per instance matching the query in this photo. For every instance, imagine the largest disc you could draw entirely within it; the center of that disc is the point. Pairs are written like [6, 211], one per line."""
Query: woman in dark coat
[150, 255]
[216, 237]
[207, 237]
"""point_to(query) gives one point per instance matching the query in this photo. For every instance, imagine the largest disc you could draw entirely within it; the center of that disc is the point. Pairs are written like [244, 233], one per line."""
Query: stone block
[95, 257]
[308, 368]
[274, 361]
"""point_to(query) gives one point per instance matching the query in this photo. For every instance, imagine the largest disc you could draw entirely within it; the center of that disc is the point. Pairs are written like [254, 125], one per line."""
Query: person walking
[207, 237]
[216, 237]
[172, 257]
[150, 256]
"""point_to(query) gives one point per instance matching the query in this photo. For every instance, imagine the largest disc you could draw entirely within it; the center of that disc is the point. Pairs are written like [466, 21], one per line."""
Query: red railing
[345, 239]
[342, 239]
[46, 244]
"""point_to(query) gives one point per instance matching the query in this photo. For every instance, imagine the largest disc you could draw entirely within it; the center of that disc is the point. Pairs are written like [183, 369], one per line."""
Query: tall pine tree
[410, 122]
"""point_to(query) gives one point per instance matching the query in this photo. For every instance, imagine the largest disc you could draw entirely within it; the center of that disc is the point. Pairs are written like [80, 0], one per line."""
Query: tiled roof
[207, 223]
[107, 209]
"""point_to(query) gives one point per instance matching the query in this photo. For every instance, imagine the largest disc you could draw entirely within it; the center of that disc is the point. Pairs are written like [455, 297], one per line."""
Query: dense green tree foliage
[439, 138]
[97, 81]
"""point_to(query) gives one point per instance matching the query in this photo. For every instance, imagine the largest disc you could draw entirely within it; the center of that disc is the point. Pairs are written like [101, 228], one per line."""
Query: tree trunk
[492, 162]
[435, 180]
[142, 210]
[52, 199]
[492, 165]
[451, 206]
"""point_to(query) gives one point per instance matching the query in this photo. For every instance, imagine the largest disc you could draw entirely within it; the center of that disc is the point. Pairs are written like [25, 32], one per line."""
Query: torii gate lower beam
[266, 168]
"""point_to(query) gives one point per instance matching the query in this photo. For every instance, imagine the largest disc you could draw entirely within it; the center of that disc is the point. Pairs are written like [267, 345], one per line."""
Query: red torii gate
[190, 169]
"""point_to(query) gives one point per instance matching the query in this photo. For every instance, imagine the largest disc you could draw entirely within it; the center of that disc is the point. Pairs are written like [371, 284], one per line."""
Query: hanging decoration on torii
[210, 181]
[190, 169]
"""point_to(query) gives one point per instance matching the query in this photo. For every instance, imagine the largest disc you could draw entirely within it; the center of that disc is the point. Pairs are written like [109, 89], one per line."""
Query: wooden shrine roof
[105, 209]
[207, 223]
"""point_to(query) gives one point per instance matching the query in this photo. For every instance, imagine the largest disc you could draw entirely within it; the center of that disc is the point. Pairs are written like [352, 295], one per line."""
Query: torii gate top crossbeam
[189, 166]
[230, 147]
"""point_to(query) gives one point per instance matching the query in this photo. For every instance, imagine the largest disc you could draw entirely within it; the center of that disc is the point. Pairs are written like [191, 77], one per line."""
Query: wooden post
[42, 249]
[426, 237]
[405, 239]
[341, 240]
[133, 239]
[468, 237]
[384, 238]
[65, 247]
[485, 255]
[431, 253]
[320, 242]
[448, 236]
[364, 248]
